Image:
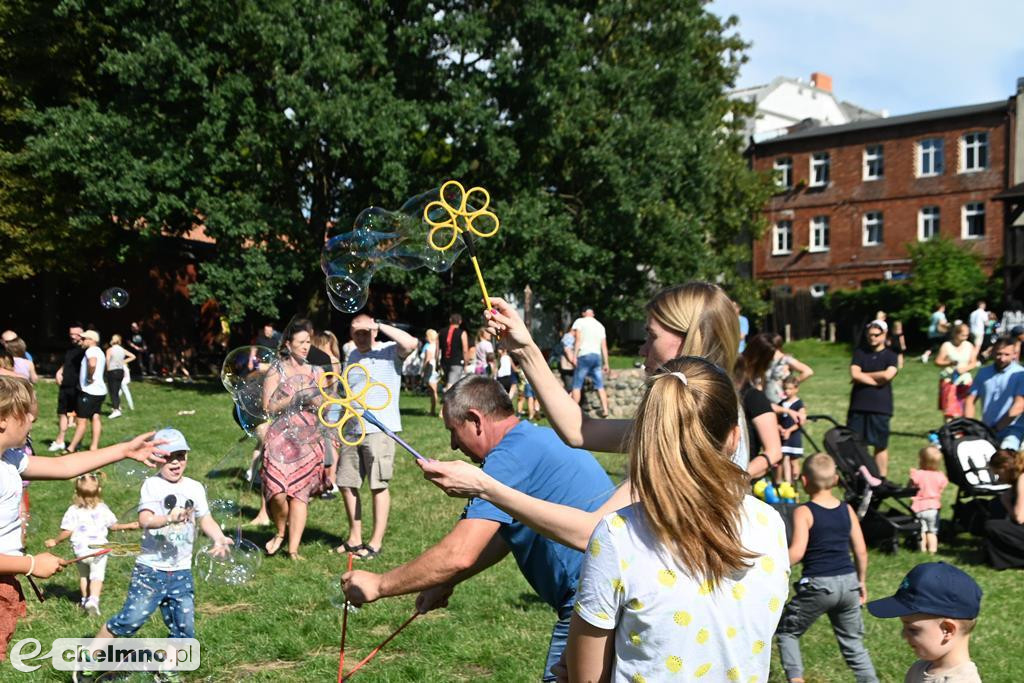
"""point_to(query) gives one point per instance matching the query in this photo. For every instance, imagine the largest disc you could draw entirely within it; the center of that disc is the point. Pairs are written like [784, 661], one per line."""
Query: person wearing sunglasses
[872, 370]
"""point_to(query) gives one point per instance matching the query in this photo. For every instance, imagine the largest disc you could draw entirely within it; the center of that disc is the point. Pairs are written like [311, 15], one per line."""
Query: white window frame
[934, 152]
[783, 168]
[873, 220]
[820, 160]
[874, 154]
[974, 152]
[820, 237]
[928, 215]
[779, 229]
[972, 210]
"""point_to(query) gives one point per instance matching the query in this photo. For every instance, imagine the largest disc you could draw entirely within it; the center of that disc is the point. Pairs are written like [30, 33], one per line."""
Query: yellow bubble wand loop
[346, 400]
[351, 398]
[460, 221]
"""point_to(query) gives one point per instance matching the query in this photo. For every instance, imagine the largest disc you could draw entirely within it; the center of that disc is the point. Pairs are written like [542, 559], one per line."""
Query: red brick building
[851, 197]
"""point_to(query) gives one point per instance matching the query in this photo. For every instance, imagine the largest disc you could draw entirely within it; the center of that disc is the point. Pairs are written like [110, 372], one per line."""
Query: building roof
[1015, 192]
[869, 124]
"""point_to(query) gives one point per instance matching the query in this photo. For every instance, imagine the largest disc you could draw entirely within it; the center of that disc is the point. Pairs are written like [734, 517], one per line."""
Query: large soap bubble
[291, 437]
[397, 238]
[235, 567]
[114, 297]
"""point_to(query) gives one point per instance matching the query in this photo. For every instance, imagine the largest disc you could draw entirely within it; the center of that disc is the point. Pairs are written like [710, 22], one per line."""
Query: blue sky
[900, 55]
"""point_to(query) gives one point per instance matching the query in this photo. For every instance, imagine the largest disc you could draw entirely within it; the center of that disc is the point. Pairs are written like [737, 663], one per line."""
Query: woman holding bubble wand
[693, 319]
[293, 453]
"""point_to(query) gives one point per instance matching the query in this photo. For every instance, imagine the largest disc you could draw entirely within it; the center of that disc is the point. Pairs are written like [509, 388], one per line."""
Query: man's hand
[361, 587]
[863, 593]
[362, 324]
[433, 598]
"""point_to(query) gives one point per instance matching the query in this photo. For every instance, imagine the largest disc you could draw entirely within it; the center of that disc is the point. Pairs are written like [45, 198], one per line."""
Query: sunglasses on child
[176, 455]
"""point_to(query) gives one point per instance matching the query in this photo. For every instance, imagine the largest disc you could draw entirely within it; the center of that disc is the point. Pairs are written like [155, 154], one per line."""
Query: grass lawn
[283, 626]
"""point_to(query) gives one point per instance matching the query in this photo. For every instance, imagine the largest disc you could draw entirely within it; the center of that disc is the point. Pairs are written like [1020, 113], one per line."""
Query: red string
[377, 649]
[344, 627]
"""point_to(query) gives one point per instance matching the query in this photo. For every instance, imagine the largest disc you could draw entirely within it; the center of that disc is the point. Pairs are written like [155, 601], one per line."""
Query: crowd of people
[677, 570]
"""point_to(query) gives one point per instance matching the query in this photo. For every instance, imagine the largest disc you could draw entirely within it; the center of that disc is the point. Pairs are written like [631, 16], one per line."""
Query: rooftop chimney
[821, 81]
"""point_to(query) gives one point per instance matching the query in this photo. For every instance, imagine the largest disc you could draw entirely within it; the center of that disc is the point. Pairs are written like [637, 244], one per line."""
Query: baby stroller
[967, 446]
[883, 508]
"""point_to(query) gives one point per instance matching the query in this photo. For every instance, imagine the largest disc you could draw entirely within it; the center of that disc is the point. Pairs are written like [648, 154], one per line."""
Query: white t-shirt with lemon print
[670, 626]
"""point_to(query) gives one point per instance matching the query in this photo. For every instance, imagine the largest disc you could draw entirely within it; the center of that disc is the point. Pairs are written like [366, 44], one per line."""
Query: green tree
[600, 129]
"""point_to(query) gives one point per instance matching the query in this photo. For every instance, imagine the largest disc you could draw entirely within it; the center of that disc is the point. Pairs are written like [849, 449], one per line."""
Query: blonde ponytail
[680, 470]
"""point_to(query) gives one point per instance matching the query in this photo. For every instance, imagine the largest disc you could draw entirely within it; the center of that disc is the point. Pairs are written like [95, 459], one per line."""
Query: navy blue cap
[1016, 330]
[932, 588]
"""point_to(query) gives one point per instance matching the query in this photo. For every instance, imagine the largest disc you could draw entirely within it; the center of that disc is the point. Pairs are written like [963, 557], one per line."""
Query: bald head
[8, 335]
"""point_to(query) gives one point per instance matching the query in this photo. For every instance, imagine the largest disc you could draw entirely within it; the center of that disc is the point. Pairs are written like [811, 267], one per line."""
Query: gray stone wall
[625, 389]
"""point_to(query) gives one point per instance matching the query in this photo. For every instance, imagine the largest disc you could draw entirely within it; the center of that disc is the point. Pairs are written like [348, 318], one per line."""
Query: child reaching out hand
[86, 523]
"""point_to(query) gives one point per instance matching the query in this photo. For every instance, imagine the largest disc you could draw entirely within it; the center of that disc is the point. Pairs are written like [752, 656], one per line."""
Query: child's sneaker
[81, 603]
[114, 414]
[85, 676]
[92, 607]
[57, 446]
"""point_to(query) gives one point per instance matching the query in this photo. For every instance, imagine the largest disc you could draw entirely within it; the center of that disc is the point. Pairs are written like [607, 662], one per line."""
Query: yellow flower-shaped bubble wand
[462, 220]
[349, 400]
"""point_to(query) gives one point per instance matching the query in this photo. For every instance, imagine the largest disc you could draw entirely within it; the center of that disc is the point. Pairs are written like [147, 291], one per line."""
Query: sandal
[346, 549]
[365, 552]
[279, 539]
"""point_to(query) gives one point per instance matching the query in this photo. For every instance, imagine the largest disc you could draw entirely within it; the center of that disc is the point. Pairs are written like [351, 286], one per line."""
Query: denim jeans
[559, 639]
[839, 598]
[588, 364]
[172, 592]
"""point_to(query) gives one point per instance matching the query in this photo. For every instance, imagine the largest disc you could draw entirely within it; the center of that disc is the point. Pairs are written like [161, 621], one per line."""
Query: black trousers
[114, 378]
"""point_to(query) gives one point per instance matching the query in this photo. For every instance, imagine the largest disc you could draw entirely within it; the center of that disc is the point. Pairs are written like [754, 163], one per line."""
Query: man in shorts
[590, 353]
[872, 370]
[92, 391]
[374, 458]
[67, 383]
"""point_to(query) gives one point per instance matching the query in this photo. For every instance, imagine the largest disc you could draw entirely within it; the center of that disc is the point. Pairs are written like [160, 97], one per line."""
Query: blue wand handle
[372, 419]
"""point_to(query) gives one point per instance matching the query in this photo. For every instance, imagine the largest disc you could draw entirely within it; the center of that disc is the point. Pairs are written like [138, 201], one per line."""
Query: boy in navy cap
[938, 605]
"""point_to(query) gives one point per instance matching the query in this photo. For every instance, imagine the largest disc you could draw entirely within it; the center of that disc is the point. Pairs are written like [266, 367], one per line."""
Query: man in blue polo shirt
[999, 386]
[530, 459]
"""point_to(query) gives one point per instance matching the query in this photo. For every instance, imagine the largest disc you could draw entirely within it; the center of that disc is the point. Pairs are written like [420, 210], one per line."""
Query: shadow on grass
[53, 590]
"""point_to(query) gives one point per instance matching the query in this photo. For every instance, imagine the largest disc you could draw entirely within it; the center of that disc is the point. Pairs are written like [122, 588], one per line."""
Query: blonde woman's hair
[16, 397]
[432, 335]
[929, 458]
[115, 339]
[704, 314]
[89, 490]
[681, 473]
[820, 472]
[327, 341]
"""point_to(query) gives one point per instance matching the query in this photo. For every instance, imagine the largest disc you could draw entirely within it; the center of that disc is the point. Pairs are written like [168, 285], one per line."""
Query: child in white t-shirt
[689, 581]
[86, 522]
[171, 505]
[18, 409]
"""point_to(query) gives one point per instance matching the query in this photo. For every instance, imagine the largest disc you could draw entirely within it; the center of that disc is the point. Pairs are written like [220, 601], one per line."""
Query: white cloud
[900, 55]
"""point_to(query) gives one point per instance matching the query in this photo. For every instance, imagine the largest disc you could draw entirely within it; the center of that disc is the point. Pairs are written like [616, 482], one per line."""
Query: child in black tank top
[824, 530]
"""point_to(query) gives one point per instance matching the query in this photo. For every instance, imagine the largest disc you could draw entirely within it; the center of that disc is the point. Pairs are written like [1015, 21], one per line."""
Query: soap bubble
[242, 363]
[293, 437]
[222, 508]
[114, 297]
[237, 567]
[346, 294]
[236, 462]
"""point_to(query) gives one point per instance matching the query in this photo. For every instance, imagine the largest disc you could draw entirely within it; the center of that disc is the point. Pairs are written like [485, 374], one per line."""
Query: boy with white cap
[170, 506]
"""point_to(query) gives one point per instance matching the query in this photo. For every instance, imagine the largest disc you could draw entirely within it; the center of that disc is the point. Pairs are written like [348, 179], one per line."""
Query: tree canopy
[599, 128]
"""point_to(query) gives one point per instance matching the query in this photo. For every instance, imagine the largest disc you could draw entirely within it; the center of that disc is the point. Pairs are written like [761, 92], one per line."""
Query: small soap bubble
[236, 567]
[114, 297]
